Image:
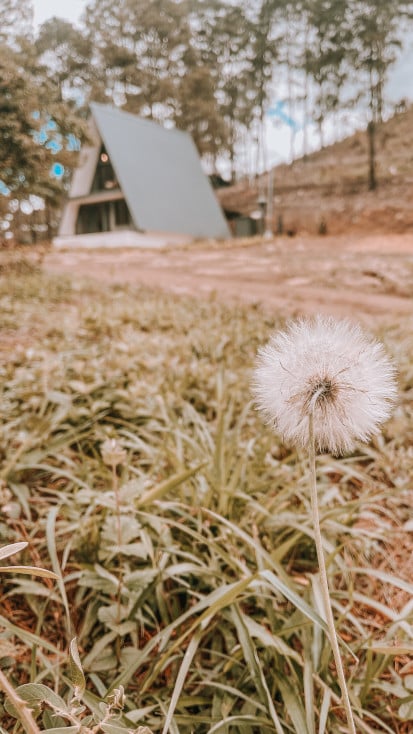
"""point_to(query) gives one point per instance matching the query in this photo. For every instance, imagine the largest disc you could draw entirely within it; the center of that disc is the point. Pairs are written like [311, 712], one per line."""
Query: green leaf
[294, 598]
[10, 550]
[29, 638]
[386, 578]
[167, 486]
[115, 728]
[30, 571]
[36, 695]
[387, 648]
[51, 546]
[406, 709]
[325, 707]
[292, 699]
[255, 667]
[267, 639]
[183, 671]
[34, 588]
[255, 721]
[76, 671]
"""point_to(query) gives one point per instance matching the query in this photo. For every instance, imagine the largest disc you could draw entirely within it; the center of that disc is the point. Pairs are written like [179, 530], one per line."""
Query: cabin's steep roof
[160, 174]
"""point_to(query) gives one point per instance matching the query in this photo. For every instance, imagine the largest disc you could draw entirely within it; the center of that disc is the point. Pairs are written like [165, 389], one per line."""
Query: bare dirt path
[370, 278]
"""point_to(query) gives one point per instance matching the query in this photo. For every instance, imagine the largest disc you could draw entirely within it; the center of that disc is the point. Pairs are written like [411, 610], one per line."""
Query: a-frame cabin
[138, 184]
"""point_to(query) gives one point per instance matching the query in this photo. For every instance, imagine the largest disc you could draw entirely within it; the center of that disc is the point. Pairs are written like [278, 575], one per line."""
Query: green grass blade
[180, 680]
[51, 546]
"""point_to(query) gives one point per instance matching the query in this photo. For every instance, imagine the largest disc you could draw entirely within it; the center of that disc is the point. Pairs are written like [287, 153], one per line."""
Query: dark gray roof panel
[160, 174]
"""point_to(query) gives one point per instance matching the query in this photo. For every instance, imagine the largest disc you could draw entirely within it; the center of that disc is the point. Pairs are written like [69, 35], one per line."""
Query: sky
[278, 136]
[68, 9]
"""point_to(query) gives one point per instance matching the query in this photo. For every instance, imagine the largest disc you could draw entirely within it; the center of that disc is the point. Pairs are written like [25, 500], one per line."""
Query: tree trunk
[371, 135]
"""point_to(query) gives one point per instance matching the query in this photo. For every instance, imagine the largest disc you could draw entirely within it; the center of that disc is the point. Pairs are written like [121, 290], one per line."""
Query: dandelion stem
[324, 579]
[115, 485]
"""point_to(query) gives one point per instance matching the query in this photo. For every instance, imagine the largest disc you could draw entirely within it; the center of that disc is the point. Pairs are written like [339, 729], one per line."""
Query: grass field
[185, 557]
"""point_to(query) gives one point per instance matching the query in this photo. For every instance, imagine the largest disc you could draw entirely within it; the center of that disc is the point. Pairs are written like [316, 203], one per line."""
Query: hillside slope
[328, 188]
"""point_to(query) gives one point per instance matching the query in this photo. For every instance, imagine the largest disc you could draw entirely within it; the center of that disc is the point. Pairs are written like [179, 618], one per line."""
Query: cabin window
[93, 218]
[105, 177]
[122, 214]
[105, 216]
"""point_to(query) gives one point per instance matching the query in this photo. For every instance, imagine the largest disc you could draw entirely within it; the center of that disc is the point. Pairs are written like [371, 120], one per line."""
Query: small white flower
[332, 369]
[112, 452]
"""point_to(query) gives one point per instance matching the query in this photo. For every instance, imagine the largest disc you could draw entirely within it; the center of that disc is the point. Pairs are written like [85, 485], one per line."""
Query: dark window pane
[93, 218]
[122, 215]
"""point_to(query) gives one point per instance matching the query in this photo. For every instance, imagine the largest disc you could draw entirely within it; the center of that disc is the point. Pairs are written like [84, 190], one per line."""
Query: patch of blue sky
[73, 143]
[279, 112]
[57, 170]
[49, 136]
[40, 136]
[4, 190]
[54, 146]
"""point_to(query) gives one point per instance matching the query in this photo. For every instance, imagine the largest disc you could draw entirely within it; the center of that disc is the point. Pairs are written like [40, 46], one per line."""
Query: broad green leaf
[35, 695]
[76, 671]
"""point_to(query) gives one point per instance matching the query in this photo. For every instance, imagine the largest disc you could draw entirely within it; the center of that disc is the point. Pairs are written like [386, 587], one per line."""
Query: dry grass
[188, 574]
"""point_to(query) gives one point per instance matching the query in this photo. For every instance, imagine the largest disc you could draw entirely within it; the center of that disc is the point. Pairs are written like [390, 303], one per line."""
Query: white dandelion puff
[328, 369]
[323, 384]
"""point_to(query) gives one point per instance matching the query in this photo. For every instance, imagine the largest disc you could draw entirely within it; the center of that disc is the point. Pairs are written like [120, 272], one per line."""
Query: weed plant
[186, 564]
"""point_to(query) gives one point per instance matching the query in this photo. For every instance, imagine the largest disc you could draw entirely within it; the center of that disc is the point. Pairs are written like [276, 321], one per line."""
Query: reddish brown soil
[370, 278]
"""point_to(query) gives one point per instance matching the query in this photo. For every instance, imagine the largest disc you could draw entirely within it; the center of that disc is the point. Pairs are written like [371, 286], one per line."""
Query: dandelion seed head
[328, 368]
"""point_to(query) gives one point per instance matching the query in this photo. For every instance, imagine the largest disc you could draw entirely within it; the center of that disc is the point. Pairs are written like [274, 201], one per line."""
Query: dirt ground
[368, 278]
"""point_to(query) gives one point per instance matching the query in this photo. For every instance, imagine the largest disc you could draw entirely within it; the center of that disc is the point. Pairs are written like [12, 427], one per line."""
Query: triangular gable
[88, 158]
[160, 175]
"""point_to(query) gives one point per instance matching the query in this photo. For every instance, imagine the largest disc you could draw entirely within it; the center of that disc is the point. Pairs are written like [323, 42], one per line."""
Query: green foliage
[30, 99]
[27, 102]
[180, 529]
